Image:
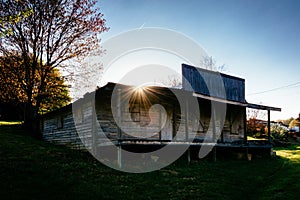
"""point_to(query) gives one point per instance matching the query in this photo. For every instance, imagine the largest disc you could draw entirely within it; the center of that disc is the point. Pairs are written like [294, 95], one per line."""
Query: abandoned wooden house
[160, 115]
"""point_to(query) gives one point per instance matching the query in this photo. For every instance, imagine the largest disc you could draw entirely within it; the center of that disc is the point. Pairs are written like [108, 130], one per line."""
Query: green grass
[286, 181]
[33, 169]
[252, 138]
[9, 123]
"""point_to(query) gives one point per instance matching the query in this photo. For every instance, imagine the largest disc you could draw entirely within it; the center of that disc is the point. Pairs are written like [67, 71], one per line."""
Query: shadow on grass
[285, 182]
[33, 169]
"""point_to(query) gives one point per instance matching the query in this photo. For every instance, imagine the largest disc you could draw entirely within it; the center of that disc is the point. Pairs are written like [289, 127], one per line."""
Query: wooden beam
[174, 122]
[189, 154]
[94, 129]
[222, 122]
[262, 107]
[214, 153]
[249, 105]
[186, 121]
[245, 126]
[202, 125]
[213, 119]
[119, 114]
[222, 136]
[119, 156]
[119, 137]
[160, 118]
[269, 126]
[219, 99]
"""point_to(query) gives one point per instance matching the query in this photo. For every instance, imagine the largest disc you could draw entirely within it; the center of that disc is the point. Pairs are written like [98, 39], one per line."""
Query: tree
[174, 81]
[13, 18]
[293, 123]
[55, 95]
[209, 63]
[57, 33]
[286, 122]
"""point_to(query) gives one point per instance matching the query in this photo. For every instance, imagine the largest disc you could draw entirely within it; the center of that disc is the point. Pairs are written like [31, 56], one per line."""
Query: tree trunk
[31, 120]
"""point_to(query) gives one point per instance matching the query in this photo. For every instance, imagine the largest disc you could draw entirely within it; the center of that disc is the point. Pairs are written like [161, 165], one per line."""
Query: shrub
[279, 132]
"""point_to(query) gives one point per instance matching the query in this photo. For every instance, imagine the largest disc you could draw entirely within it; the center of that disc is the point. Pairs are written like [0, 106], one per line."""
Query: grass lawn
[9, 123]
[33, 169]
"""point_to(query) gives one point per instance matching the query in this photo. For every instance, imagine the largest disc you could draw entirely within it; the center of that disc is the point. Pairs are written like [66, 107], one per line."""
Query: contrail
[142, 25]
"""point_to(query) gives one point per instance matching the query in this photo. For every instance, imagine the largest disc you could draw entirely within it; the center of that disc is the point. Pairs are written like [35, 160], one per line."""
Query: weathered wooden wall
[59, 127]
[161, 119]
[200, 80]
[149, 117]
[66, 135]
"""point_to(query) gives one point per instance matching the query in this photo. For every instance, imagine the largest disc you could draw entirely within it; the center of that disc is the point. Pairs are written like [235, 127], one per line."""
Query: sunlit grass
[252, 138]
[9, 123]
[292, 153]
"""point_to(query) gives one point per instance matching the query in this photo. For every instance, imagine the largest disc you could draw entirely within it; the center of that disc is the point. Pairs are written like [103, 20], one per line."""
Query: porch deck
[242, 150]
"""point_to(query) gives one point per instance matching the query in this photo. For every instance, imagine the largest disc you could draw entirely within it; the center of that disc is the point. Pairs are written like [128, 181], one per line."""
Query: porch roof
[245, 104]
[262, 107]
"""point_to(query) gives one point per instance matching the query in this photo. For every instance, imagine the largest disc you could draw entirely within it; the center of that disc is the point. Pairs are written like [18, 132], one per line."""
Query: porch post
[160, 118]
[119, 136]
[189, 154]
[245, 126]
[269, 126]
[173, 122]
[214, 150]
[119, 114]
[187, 130]
[186, 121]
[119, 148]
[94, 130]
[213, 118]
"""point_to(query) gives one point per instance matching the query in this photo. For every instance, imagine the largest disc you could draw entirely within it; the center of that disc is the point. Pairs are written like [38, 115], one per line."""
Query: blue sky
[256, 40]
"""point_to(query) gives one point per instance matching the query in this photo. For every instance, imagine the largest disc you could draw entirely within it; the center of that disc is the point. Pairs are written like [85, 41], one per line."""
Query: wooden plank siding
[161, 119]
[200, 80]
[66, 135]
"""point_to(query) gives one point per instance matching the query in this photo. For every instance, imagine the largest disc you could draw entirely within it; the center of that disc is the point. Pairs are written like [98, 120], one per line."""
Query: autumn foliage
[53, 34]
[12, 92]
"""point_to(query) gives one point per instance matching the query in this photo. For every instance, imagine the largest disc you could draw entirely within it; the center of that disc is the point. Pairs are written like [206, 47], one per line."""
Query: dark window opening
[60, 122]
